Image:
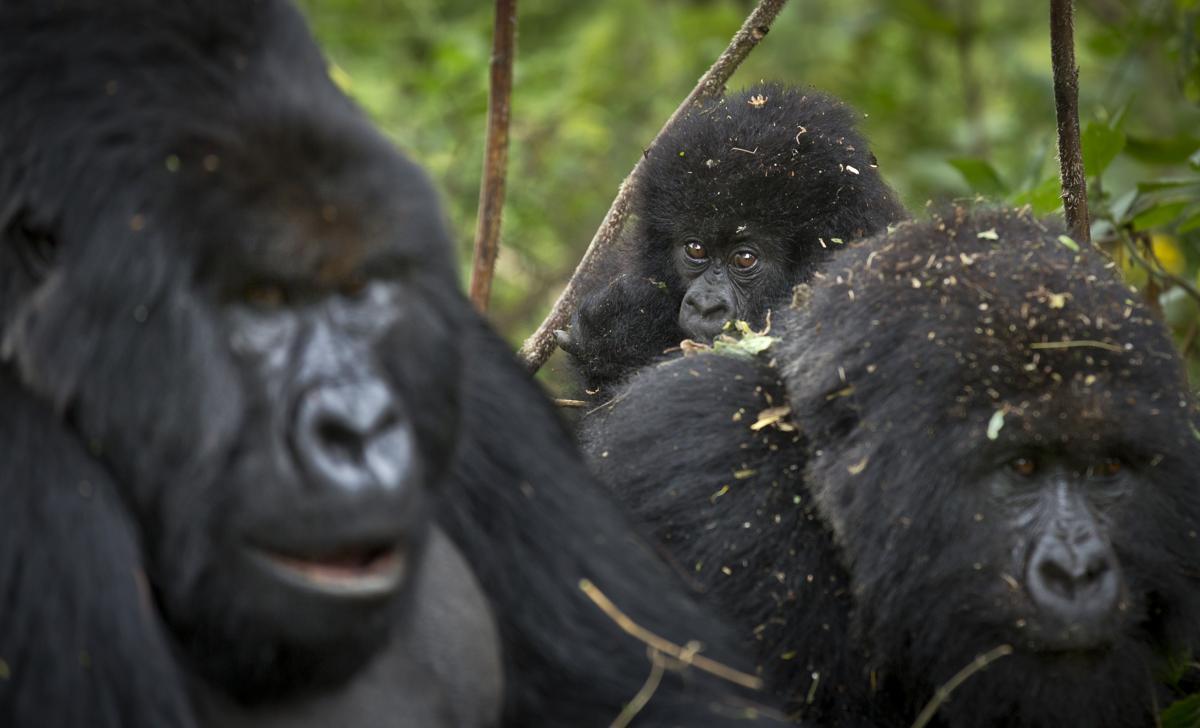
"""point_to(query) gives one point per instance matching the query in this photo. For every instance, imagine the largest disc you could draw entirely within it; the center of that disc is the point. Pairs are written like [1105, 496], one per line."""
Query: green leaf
[1159, 214]
[1068, 242]
[1190, 223]
[1120, 207]
[747, 346]
[1045, 198]
[1161, 150]
[1157, 185]
[1182, 713]
[1101, 145]
[980, 176]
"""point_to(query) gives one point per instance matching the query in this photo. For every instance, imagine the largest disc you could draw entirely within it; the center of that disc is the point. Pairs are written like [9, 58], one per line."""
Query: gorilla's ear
[33, 246]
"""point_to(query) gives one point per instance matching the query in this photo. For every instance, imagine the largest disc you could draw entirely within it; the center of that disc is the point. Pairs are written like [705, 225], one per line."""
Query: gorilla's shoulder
[727, 416]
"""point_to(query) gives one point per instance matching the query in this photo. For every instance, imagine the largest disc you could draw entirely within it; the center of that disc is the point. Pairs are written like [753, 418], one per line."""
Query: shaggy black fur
[231, 345]
[852, 497]
[778, 172]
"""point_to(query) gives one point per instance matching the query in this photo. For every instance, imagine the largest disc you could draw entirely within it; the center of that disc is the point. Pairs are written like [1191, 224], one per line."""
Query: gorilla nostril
[389, 419]
[1057, 579]
[1096, 570]
[339, 437]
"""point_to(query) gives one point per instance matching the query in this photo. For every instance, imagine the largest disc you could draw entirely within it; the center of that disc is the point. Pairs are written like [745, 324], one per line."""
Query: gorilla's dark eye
[36, 250]
[1106, 468]
[695, 250]
[1024, 467]
[745, 260]
[264, 295]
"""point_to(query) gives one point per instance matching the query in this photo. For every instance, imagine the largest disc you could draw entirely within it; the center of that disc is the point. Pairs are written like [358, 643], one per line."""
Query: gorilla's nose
[351, 437]
[703, 314]
[1076, 579]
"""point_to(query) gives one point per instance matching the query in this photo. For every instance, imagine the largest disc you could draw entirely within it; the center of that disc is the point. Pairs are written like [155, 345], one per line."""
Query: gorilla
[968, 448]
[738, 202]
[262, 464]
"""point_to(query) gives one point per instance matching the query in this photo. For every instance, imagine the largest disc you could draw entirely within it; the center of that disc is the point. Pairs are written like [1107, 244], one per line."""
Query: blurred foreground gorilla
[260, 463]
[737, 203]
[970, 439]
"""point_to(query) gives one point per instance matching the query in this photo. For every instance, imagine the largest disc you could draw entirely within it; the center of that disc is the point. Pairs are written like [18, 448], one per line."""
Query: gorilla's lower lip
[359, 572]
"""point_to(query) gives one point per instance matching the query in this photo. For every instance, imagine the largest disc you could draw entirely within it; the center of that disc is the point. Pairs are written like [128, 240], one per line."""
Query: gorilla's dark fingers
[563, 339]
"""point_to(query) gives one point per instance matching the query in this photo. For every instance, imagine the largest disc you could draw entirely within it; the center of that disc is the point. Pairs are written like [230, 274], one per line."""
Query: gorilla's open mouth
[363, 571]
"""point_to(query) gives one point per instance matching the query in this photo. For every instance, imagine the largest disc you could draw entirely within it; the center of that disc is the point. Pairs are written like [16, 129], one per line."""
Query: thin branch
[1156, 268]
[943, 693]
[1066, 110]
[495, 162]
[657, 666]
[687, 655]
[538, 347]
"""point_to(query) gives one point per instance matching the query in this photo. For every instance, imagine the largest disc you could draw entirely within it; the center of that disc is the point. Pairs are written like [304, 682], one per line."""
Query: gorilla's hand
[618, 329]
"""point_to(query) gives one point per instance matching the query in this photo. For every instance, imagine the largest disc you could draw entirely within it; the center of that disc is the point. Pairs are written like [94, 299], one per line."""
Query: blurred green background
[957, 98]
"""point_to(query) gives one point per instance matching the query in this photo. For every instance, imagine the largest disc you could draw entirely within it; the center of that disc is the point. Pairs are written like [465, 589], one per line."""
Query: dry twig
[540, 345]
[1066, 110]
[687, 655]
[1075, 344]
[657, 665]
[495, 162]
[943, 693]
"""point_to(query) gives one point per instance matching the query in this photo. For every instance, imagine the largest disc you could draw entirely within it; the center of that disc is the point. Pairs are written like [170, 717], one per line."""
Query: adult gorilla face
[250, 353]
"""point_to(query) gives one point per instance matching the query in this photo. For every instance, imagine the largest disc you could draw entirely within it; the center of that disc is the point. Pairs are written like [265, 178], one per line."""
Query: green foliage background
[957, 98]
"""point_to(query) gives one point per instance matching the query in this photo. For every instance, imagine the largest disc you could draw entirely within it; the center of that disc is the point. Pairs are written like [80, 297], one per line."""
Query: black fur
[182, 189]
[852, 534]
[781, 168]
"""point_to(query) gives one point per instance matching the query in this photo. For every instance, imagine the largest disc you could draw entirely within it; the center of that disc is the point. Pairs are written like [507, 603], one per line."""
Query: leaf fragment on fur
[1069, 243]
[770, 416]
[995, 424]
[858, 467]
[752, 342]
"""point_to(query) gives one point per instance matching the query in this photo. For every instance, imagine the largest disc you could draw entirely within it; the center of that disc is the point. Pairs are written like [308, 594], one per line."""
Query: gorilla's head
[1004, 450]
[233, 290]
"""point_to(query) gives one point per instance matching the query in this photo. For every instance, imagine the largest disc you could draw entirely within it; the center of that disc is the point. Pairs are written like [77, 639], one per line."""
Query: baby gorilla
[971, 440]
[737, 203]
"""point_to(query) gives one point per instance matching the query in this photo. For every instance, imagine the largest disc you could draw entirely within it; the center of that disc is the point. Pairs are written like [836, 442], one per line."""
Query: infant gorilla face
[724, 273]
